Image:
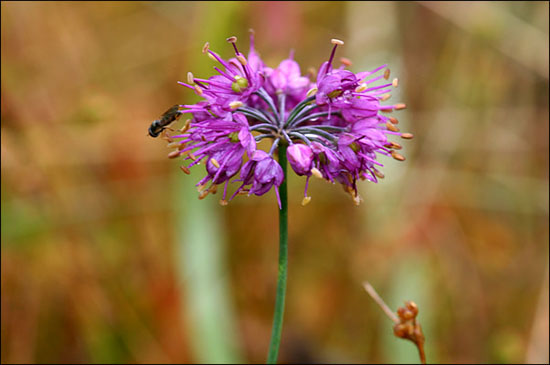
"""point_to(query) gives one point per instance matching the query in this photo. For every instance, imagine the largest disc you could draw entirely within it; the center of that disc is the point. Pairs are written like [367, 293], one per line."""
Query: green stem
[283, 264]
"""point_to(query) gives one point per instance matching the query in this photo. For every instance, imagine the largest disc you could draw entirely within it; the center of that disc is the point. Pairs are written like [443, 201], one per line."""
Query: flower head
[333, 128]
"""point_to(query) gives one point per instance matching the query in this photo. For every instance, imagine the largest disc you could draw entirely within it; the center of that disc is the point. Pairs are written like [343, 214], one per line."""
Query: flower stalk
[278, 315]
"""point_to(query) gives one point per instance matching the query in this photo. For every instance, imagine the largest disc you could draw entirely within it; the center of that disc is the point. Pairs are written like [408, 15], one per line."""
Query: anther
[391, 127]
[173, 145]
[192, 157]
[337, 42]
[200, 188]
[213, 189]
[311, 92]
[387, 74]
[206, 47]
[164, 135]
[357, 200]
[185, 169]
[396, 146]
[397, 156]
[361, 88]
[399, 106]
[232, 39]
[235, 104]
[198, 90]
[223, 202]
[174, 154]
[215, 163]
[203, 194]
[212, 57]
[315, 172]
[311, 72]
[393, 120]
[385, 97]
[395, 82]
[379, 174]
[241, 59]
[186, 126]
[234, 63]
[306, 201]
[407, 135]
[190, 78]
[346, 61]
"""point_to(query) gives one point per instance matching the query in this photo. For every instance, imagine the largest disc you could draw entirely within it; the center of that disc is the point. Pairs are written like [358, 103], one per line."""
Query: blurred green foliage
[101, 233]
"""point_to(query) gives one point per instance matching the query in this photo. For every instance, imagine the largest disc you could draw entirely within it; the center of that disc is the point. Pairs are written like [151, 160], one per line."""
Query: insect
[168, 117]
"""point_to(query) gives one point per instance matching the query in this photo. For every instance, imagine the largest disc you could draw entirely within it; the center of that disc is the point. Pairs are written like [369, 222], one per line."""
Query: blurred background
[108, 255]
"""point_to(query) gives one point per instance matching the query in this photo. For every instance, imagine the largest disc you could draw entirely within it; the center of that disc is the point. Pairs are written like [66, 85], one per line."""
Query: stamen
[231, 39]
[395, 82]
[397, 156]
[198, 90]
[391, 127]
[173, 145]
[306, 201]
[393, 120]
[312, 73]
[185, 169]
[395, 146]
[311, 92]
[378, 173]
[315, 172]
[336, 43]
[223, 202]
[206, 47]
[357, 200]
[407, 135]
[212, 57]
[215, 163]
[387, 74]
[190, 78]
[174, 154]
[346, 61]
[203, 194]
[186, 126]
[385, 97]
[200, 188]
[241, 59]
[213, 189]
[361, 88]
[235, 104]
[399, 106]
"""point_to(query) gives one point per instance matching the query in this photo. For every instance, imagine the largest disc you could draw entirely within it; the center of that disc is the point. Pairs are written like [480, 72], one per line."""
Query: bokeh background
[108, 255]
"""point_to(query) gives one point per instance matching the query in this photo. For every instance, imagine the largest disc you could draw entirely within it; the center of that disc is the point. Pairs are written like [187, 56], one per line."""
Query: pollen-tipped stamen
[391, 127]
[336, 43]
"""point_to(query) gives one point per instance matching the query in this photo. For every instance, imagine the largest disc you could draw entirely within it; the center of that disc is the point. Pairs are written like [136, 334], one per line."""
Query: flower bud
[300, 158]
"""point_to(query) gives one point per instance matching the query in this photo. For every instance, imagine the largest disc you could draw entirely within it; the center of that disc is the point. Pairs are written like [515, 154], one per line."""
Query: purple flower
[263, 172]
[334, 128]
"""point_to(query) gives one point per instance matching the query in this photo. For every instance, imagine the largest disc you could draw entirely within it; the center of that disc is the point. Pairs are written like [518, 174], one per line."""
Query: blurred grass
[99, 228]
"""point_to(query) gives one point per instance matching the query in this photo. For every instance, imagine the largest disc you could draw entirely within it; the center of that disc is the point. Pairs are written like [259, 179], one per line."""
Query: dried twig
[405, 326]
